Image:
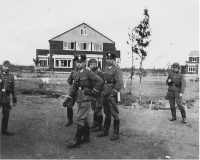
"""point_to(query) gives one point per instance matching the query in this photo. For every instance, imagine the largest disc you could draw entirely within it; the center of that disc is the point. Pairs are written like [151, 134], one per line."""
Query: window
[83, 32]
[81, 46]
[191, 68]
[97, 47]
[63, 63]
[194, 59]
[68, 45]
[43, 62]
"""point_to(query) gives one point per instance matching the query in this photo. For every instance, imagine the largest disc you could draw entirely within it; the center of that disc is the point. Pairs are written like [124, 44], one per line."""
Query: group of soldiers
[92, 88]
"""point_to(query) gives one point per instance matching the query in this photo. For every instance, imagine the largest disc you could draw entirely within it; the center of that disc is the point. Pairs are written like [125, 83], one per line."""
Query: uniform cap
[6, 63]
[110, 55]
[175, 64]
[92, 61]
[80, 57]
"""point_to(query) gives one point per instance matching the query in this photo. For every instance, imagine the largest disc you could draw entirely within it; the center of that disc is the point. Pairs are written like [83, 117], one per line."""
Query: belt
[109, 82]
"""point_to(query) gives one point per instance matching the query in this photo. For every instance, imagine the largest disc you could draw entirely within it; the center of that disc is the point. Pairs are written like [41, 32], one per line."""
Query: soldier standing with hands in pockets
[7, 87]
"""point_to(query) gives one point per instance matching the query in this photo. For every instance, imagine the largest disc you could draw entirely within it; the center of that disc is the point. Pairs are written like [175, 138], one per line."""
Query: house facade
[81, 39]
[192, 66]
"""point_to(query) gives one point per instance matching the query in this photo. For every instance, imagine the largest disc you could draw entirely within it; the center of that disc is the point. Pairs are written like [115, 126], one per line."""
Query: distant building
[81, 39]
[192, 66]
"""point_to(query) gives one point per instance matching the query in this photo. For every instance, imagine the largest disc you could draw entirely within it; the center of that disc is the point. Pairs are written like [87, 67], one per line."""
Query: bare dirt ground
[40, 133]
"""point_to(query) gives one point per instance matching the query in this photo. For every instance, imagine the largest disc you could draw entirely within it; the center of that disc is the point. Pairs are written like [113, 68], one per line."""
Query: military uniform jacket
[101, 75]
[7, 87]
[178, 83]
[72, 76]
[112, 80]
[85, 80]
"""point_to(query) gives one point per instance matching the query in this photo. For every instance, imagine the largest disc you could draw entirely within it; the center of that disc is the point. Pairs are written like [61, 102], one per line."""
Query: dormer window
[194, 59]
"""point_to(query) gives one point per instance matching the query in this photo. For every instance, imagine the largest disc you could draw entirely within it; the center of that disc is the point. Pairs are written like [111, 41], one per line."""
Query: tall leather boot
[94, 121]
[99, 124]
[77, 138]
[70, 116]
[116, 131]
[173, 111]
[4, 124]
[183, 113]
[86, 134]
[106, 127]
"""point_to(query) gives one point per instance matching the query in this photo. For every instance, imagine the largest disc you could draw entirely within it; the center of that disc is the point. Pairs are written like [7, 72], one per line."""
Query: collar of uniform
[5, 73]
[81, 70]
[109, 67]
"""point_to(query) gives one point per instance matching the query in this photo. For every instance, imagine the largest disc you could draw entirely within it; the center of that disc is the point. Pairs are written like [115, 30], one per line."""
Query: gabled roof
[194, 54]
[86, 25]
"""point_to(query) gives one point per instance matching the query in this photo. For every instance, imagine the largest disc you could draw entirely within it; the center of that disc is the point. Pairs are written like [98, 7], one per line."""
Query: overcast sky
[27, 25]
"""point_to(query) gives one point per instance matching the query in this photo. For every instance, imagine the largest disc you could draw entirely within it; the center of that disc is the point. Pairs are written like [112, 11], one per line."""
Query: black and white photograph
[99, 79]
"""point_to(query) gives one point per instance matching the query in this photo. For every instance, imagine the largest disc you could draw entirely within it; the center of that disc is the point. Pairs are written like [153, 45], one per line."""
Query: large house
[81, 39]
[192, 66]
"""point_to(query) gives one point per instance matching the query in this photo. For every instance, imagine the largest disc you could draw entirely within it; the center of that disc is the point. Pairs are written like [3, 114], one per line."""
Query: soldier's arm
[70, 78]
[183, 83]
[118, 79]
[14, 98]
[97, 81]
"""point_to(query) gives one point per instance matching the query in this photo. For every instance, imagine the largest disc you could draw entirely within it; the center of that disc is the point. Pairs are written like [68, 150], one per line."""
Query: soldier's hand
[68, 99]
[181, 94]
[169, 80]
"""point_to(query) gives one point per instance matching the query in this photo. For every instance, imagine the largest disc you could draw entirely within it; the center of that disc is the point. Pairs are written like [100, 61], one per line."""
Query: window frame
[191, 68]
[93, 47]
[88, 49]
[194, 59]
[66, 48]
[60, 59]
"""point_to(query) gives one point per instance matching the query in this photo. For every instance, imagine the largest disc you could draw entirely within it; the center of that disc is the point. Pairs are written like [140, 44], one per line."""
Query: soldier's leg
[180, 106]
[93, 106]
[107, 121]
[6, 108]
[99, 114]
[83, 112]
[171, 98]
[115, 113]
[69, 116]
[86, 133]
[70, 112]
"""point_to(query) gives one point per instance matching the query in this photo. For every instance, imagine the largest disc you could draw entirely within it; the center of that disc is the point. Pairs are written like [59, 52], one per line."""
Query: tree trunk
[140, 90]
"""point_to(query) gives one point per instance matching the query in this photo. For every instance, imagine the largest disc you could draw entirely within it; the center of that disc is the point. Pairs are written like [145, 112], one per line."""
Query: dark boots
[173, 111]
[70, 116]
[116, 131]
[77, 138]
[98, 124]
[95, 117]
[86, 134]
[4, 124]
[106, 127]
[183, 113]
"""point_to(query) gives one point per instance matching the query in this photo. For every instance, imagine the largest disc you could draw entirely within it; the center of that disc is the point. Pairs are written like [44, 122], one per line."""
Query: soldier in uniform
[86, 85]
[98, 100]
[70, 105]
[113, 82]
[176, 82]
[7, 87]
